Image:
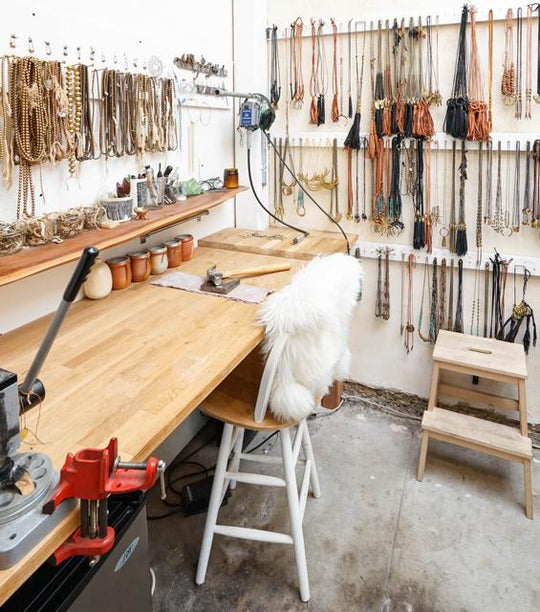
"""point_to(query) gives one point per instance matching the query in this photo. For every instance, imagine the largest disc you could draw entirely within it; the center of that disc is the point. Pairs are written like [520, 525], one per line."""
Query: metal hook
[115, 58]
[12, 41]
[126, 63]
[135, 62]
[47, 47]
[92, 54]
[30, 45]
[65, 51]
[79, 53]
[103, 59]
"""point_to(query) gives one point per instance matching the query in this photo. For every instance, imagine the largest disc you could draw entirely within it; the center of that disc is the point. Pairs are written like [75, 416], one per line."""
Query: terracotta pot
[174, 252]
[187, 246]
[98, 283]
[140, 265]
[121, 272]
[158, 259]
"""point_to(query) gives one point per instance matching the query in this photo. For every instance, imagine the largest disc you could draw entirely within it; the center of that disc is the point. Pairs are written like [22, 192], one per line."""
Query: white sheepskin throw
[314, 312]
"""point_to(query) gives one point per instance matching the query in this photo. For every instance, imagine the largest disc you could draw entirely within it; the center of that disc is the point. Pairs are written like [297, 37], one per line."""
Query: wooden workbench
[278, 241]
[134, 366]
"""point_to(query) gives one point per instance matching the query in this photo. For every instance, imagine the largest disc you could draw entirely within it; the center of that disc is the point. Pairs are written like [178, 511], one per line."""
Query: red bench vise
[91, 475]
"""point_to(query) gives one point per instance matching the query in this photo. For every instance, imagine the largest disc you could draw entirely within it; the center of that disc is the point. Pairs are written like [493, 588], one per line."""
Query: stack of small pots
[139, 265]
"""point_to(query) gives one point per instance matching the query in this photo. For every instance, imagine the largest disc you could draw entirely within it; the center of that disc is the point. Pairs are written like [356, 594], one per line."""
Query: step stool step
[472, 430]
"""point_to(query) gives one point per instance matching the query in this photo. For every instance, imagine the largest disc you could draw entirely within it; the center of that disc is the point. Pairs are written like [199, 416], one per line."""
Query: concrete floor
[377, 540]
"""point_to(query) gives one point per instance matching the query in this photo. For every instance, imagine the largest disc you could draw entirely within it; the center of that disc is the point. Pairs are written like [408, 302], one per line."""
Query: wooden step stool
[485, 358]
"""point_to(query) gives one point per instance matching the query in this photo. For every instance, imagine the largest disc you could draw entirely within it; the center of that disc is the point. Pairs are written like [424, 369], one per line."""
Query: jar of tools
[187, 246]
[121, 272]
[158, 259]
[174, 252]
[140, 265]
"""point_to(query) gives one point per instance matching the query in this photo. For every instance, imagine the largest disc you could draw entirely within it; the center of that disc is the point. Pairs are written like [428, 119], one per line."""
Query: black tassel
[409, 110]
[395, 128]
[419, 236]
[353, 137]
[461, 241]
[320, 110]
[379, 122]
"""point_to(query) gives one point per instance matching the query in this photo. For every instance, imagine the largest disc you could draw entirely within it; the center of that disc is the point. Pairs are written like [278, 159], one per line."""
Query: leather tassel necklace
[419, 237]
[321, 74]
[379, 85]
[349, 55]
[335, 94]
[353, 137]
[298, 89]
[314, 107]
[387, 84]
[452, 225]
[428, 229]
[461, 229]
[457, 107]
[394, 200]
[478, 125]
[398, 105]
[411, 81]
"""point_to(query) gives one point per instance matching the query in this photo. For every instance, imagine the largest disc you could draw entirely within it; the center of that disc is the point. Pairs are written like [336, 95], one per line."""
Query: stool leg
[528, 488]
[294, 514]
[423, 455]
[235, 463]
[308, 453]
[434, 392]
[215, 503]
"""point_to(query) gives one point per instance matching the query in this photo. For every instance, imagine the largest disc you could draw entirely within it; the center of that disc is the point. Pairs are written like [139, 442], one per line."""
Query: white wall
[138, 30]
[379, 357]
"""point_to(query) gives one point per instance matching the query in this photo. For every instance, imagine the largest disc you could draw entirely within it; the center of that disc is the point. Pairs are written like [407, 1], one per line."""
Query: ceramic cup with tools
[121, 272]
[158, 259]
[140, 265]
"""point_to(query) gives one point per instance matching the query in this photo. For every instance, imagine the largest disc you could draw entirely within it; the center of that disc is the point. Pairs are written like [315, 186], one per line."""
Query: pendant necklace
[275, 80]
[409, 327]
[458, 323]
[479, 208]
[528, 63]
[386, 296]
[489, 183]
[450, 322]
[461, 229]
[516, 209]
[497, 222]
[442, 296]
[300, 207]
[444, 231]
[527, 210]
[425, 283]
[486, 298]
[452, 224]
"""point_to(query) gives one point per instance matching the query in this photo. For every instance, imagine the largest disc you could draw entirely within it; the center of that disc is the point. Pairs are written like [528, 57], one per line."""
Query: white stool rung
[253, 534]
[304, 489]
[256, 479]
[261, 458]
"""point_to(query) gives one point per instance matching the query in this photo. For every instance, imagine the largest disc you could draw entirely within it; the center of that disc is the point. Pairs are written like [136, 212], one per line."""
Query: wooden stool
[486, 358]
[240, 403]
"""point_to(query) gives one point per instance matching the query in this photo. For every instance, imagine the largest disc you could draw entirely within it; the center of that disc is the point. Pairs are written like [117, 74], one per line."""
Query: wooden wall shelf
[33, 260]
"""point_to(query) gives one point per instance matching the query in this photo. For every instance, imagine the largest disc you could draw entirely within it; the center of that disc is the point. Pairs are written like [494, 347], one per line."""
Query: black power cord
[293, 227]
[284, 162]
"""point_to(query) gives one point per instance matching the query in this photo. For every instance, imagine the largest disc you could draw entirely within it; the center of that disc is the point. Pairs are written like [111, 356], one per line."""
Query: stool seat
[233, 404]
[469, 431]
[488, 355]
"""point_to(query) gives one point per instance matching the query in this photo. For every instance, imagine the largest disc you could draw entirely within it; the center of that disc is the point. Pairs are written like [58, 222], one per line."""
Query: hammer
[218, 281]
